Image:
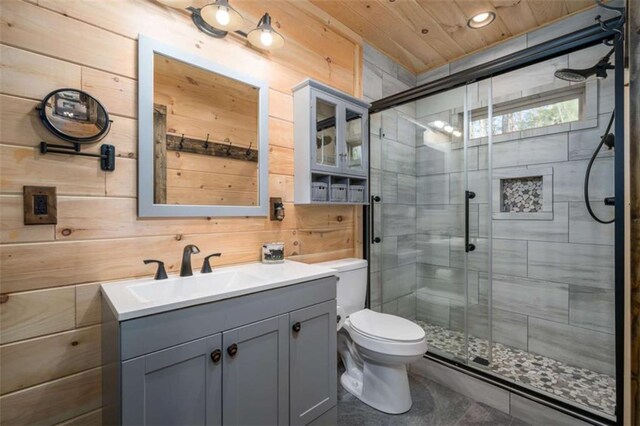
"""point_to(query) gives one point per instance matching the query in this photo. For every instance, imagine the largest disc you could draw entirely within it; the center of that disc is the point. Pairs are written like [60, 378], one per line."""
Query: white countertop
[140, 297]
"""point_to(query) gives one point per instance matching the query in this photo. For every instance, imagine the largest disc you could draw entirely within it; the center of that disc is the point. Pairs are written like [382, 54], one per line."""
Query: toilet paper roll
[342, 317]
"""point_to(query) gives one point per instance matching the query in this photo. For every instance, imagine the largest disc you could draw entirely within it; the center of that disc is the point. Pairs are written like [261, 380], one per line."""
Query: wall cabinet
[331, 145]
[264, 358]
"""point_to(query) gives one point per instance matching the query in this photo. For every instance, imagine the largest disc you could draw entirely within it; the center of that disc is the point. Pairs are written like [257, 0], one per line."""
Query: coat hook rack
[181, 146]
[206, 143]
[107, 154]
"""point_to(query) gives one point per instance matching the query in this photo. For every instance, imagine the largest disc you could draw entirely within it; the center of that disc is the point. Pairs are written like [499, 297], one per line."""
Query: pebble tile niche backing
[521, 195]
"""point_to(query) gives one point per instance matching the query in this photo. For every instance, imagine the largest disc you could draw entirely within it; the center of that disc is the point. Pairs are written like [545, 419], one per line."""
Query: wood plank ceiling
[423, 34]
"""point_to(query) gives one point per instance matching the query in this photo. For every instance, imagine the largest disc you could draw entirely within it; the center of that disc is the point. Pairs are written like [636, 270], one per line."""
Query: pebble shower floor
[579, 385]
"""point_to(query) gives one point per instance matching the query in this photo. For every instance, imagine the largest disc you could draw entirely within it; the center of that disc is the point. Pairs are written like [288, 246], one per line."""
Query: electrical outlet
[40, 205]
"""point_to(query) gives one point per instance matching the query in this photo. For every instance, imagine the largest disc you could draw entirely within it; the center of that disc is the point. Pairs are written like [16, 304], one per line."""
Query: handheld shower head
[578, 75]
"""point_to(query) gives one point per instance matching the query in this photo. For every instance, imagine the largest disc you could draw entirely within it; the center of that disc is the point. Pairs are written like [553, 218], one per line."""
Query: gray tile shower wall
[552, 286]
[393, 178]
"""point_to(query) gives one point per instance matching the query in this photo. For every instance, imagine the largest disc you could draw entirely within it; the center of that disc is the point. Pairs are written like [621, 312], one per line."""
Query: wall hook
[206, 143]
[229, 148]
[248, 153]
[181, 146]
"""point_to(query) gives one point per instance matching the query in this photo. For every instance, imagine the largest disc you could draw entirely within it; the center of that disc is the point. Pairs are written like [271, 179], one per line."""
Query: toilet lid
[385, 326]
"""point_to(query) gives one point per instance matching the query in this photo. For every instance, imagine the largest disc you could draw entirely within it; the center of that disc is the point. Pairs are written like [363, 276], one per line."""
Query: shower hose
[586, 177]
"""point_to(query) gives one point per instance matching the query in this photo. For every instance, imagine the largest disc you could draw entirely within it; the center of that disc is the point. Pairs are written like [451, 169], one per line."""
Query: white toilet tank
[352, 283]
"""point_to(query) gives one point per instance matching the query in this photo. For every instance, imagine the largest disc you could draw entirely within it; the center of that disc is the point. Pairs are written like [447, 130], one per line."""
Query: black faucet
[185, 266]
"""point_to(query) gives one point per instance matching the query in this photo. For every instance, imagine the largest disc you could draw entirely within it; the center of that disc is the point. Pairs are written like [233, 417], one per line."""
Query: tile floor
[433, 404]
[586, 387]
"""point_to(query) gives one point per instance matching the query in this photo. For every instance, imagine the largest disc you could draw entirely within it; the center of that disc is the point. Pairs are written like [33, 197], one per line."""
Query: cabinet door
[355, 154]
[255, 378]
[326, 132]
[176, 386]
[313, 361]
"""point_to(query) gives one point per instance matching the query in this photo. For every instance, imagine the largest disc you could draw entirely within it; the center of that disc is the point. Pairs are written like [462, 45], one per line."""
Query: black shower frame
[581, 39]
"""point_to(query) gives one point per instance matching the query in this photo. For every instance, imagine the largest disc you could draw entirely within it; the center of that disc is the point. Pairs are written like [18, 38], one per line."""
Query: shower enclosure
[480, 234]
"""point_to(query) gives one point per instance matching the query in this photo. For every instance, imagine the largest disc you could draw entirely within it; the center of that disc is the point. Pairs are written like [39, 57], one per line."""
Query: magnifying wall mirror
[74, 116]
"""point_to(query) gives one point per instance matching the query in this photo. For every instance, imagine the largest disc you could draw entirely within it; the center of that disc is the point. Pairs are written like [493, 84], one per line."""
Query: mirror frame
[42, 113]
[147, 47]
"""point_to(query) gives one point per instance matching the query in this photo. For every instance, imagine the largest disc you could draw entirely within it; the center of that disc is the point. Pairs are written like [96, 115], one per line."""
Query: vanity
[248, 344]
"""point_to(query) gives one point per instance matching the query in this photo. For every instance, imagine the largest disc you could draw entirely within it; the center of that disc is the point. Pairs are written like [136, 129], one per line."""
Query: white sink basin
[140, 297]
[181, 288]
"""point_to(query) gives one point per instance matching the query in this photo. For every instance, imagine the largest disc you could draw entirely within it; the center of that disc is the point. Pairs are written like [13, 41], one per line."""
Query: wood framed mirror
[203, 137]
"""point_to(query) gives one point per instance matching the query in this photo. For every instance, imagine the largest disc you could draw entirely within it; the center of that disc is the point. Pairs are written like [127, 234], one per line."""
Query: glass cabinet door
[326, 135]
[355, 155]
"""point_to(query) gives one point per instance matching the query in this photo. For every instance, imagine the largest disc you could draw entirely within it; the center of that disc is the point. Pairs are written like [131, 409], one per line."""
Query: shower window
[532, 112]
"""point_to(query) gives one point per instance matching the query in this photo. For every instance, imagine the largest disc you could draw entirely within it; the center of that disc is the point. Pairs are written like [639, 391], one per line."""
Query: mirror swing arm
[107, 154]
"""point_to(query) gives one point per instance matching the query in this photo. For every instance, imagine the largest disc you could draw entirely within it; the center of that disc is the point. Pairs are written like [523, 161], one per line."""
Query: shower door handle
[468, 195]
[374, 240]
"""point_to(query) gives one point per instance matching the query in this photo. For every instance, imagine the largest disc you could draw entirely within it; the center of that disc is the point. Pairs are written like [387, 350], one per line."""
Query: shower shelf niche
[523, 194]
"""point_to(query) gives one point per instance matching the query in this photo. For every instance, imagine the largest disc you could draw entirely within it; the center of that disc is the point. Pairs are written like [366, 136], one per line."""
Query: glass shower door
[447, 225]
[429, 243]
[393, 205]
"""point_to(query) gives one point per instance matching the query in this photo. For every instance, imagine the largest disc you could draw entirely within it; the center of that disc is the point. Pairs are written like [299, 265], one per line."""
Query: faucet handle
[206, 266]
[161, 273]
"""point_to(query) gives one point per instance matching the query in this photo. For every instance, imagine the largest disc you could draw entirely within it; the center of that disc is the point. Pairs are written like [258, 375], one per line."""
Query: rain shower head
[578, 75]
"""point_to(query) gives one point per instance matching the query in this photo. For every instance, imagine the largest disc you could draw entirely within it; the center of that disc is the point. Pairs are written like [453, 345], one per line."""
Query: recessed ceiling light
[481, 20]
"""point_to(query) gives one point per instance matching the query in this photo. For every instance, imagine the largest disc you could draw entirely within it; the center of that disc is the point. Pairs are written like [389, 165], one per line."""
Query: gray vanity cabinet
[255, 379]
[312, 353]
[264, 358]
[179, 386]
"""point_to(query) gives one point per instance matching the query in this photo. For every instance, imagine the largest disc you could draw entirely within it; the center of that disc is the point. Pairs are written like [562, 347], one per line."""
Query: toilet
[375, 348]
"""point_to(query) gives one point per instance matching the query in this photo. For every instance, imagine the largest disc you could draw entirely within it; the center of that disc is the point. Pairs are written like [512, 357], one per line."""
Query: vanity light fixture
[221, 16]
[448, 129]
[481, 19]
[218, 19]
[439, 124]
[457, 133]
[264, 36]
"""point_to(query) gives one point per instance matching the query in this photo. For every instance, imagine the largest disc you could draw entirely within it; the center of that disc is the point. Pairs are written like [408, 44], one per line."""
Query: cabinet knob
[216, 355]
[232, 350]
[296, 327]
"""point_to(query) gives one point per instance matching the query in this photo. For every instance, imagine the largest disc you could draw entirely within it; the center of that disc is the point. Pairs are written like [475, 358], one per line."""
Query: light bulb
[222, 16]
[266, 38]
[439, 124]
[480, 17]
[448, 129]
[457, 133]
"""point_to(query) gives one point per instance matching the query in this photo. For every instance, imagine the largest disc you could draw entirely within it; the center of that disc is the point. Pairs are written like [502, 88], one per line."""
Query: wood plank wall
[50, 275]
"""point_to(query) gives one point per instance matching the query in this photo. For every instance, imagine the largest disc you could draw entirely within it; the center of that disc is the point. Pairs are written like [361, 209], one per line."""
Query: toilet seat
[386, 334]
[386, 327]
